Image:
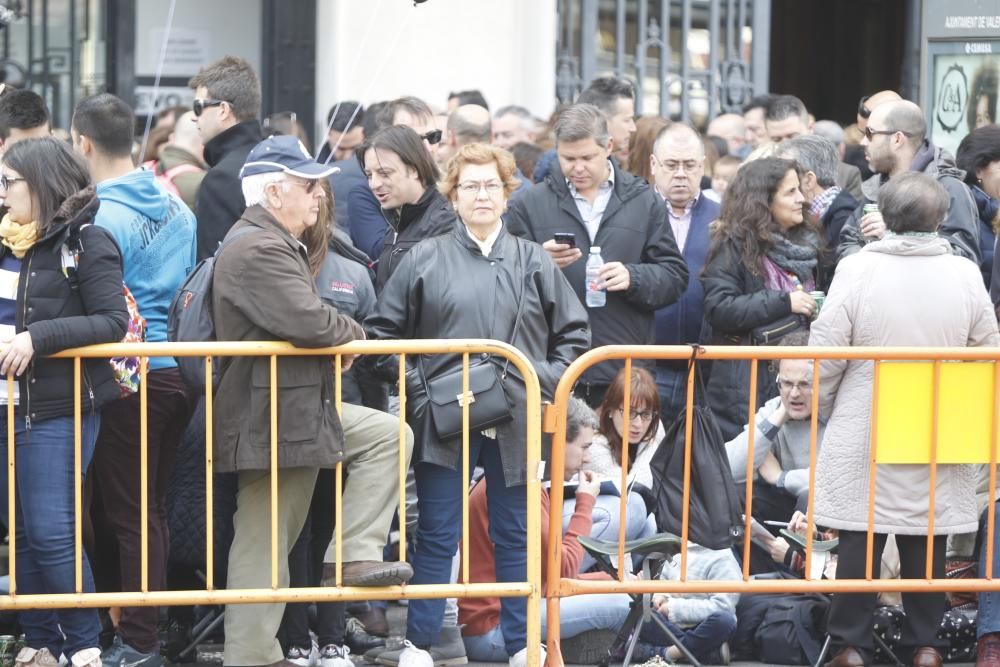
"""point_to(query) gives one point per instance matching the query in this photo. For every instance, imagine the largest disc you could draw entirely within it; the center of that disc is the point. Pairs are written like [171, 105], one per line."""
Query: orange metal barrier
[530, 588]
[558, 587]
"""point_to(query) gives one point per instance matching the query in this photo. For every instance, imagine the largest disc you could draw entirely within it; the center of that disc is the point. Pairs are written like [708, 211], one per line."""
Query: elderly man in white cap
[263, 290]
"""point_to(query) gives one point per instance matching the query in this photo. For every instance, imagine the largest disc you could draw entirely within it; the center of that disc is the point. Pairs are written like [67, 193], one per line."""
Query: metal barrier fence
[555, 420]
[530, 588]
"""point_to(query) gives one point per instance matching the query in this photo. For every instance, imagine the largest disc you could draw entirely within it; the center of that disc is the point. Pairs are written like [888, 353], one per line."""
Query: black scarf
[796, 258]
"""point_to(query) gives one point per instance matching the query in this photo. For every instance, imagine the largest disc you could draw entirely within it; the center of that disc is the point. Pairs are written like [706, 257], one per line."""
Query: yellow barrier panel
[530, 588]
[939, 387]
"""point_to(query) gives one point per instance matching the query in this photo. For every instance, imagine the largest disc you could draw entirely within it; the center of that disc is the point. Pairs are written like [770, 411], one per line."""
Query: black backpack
[715, 518]
[190, 318]
[780, 629]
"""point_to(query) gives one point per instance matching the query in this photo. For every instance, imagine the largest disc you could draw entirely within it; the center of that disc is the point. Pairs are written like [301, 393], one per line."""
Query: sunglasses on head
[432, 137]
[199, 106]
[863, 110]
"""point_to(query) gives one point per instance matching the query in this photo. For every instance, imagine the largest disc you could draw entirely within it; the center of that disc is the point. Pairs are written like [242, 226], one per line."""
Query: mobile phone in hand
[566, 238]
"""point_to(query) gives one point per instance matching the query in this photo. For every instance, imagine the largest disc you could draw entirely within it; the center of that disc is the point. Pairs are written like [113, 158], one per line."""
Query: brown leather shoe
[988, 650]
[368, 573]
[848, 657]
[926, 656]
[375, 622]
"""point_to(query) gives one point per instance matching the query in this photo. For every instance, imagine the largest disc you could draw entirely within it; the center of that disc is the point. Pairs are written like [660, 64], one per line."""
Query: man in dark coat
[263, 290]
[677, 165]
[590, 197]
[403, 177]
[829, 205]
[227, 106]
[895, 142]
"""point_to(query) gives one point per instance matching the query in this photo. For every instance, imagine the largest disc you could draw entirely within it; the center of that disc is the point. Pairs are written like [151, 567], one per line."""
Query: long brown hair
[643, 392]
[746, 215]
[316, 239]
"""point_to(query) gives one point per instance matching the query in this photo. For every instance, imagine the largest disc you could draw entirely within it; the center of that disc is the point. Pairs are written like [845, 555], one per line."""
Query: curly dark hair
[746, 212]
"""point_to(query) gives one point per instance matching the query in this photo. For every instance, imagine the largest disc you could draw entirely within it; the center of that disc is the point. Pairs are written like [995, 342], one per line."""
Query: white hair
[254, 186]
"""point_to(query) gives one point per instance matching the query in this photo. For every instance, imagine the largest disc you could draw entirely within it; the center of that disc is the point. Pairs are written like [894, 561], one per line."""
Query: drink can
[869, 208]
[819, 297]
[8, 650]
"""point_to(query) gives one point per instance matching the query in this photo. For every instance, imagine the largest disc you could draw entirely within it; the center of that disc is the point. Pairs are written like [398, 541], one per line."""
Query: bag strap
[520, 306]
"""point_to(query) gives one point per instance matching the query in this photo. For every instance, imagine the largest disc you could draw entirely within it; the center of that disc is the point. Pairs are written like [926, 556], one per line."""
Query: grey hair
[582, 121]
[913, 202]
[816, 154]
[831, 130]
[254, 186]
[579, 416]
[527, 118]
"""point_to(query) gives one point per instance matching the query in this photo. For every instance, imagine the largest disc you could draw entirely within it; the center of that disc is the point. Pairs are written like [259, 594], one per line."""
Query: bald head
[902, 116]
[881, 97]
[730, 127]
[677, 164]
[470, 123]
[678, 135]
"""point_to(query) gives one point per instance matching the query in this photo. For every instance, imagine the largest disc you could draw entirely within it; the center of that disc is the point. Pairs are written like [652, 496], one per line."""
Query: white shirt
[486, 246]
[591, 214]
[679, 224]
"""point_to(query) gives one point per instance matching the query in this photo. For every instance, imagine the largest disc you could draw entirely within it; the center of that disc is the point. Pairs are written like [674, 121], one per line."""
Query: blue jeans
[606, 519]
[439, 529]
[671, 383]
[577, 614]
[702, 639]
[988, 616]
[46, 528]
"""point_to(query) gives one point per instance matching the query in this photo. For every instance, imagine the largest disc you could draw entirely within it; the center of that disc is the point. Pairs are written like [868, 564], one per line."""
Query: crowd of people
[593, 227]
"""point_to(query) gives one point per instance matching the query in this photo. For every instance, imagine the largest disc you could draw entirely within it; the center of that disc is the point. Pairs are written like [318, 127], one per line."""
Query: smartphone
[566, 238]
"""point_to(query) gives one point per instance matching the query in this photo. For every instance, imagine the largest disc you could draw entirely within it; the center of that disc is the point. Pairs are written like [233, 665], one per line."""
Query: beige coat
[901, 291]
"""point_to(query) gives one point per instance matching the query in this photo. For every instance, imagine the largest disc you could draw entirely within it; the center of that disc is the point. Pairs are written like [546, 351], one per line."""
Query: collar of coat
[466, 241]
[247, 133]
[626, 185]
[260, 217]
[408, 213]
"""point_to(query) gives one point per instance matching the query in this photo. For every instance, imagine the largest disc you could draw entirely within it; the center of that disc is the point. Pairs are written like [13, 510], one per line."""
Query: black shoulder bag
[488, 402]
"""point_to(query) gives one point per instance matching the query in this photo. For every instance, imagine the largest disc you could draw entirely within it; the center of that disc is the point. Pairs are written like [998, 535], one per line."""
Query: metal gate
[691, 59]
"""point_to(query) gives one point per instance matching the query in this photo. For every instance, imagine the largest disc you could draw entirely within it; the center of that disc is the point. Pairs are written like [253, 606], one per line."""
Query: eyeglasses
[870, 133]
[644, 416]
[863, 110]
[673, 165]
[199, 106]
[5, 181]
[474, 187]
[432, 137]
[787, 385]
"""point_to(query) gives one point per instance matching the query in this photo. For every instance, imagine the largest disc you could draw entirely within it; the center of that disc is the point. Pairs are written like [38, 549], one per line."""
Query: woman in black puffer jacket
[60, 287]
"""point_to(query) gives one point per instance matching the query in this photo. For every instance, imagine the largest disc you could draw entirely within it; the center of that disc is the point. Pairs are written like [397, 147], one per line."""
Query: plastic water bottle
[596, 296]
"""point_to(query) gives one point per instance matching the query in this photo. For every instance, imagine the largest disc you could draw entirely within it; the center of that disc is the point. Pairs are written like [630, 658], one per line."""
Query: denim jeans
[577, 614]
[46, 528]
[702, 639]
[606, 519]
[671, 383]
[439, 529]
[988, 617]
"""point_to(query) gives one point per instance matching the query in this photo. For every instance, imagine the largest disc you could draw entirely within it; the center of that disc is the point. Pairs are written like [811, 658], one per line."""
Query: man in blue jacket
[156, 233]
[677, 164]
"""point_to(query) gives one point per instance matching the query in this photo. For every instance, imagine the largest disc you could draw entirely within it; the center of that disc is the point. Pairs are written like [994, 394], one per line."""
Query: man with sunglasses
[226, 108]
[895, 142]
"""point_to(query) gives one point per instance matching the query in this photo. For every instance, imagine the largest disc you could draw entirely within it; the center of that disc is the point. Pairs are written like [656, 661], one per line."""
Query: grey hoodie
[960, 226]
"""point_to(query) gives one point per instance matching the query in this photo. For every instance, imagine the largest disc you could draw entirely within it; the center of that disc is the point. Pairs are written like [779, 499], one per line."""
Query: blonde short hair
[480, 154]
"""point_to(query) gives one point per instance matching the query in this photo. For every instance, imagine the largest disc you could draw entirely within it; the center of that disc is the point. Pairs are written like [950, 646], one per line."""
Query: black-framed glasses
[863, 110]
[199, 106]
[870, 133]
[432, 137]
[6, 181]
[645, 416]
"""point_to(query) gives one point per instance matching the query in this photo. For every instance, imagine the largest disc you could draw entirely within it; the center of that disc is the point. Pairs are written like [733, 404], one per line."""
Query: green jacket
[186, 182]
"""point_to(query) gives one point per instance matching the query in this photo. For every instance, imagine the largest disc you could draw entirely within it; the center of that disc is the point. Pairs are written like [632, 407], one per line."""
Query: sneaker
[358, 639]
[520, 659]
[411, 656]
[303, 657]
[91, 657]
[332, 655]
[35, 657]
[121, 654]
[988, 650]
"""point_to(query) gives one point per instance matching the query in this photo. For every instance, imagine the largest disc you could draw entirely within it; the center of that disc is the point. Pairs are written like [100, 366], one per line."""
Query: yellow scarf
[18, 237]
